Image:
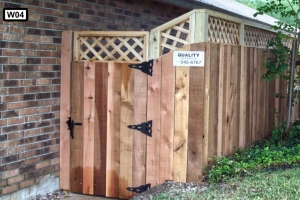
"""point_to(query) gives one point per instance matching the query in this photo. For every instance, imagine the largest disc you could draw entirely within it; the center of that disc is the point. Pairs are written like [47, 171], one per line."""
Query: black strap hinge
[71, 125]
[140, 189]
[145, 127]
[146, 67]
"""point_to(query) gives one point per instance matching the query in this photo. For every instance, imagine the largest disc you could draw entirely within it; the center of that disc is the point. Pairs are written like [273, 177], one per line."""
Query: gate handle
[71, 125]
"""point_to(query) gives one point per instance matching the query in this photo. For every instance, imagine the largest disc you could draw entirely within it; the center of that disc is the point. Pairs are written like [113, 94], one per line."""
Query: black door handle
[71, 125]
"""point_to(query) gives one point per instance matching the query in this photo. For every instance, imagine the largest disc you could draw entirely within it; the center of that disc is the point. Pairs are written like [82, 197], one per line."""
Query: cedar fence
[196, 112]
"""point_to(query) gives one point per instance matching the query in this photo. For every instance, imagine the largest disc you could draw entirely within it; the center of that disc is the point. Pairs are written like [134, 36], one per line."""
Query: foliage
[278, 151]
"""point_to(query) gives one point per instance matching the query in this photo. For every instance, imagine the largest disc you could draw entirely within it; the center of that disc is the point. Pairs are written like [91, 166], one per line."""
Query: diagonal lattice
[112, 48]
[175, 37]
[257, 37]
[223, 31]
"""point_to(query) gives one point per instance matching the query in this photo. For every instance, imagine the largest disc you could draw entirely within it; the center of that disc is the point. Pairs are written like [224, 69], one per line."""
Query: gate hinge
[140, 189]
[71, 125]
[146, 67]
[145, 127]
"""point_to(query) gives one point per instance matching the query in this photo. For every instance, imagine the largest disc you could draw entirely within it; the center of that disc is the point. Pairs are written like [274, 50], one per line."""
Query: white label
[188, 58]
[15, 14]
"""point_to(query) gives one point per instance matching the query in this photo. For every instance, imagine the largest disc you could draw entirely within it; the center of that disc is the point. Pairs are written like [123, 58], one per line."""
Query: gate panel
[101, 74]
[77, 116]
[113, 129]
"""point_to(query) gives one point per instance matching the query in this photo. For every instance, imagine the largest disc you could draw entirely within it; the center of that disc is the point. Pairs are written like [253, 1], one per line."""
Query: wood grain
[113, 129]
[196, 120]
[77, 115]
[167, 118]
[101, 73]
[126, 134]
[65, 102]
[153, 113]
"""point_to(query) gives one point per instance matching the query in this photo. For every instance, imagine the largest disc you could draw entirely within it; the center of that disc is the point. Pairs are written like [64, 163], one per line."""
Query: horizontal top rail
[203, 25]
[121, 46]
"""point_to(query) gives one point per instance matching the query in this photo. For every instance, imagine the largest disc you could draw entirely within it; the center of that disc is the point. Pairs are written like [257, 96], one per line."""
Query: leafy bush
[280, 150]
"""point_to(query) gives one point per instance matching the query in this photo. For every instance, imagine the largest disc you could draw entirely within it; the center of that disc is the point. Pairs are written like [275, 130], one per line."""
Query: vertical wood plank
[213, 101]
[167, 118]
[255, 96]
[196, 119]
[228, 109]
[88, 127]
[181, 122]
[206, 105]
[243, 102]
[101, 73]
[248, 95]
[65, 102]
[77, 116]
[113, 129]
[221, 101]
[153, 113]
[126, 134]
[139, 139]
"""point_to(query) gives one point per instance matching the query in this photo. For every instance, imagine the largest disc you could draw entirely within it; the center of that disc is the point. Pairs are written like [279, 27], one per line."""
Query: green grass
[281, 184]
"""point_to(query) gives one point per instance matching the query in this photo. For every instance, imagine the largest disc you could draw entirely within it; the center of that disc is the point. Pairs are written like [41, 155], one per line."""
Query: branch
[292, 6]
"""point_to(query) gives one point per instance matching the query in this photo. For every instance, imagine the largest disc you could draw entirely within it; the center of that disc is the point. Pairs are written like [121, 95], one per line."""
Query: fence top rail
[213, 14]
[120, 46]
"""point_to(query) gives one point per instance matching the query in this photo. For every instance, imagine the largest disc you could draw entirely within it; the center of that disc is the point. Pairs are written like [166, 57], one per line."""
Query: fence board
[181, 122]
[77, 116]
[167, 118]
[196, 120]
[126, 134]
[139, 139]
[66, 57]
[88, 127]
[101, 73]
[153, 113]
[113, 129]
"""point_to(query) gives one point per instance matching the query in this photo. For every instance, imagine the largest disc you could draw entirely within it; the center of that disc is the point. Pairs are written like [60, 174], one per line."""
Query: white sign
[188, 58]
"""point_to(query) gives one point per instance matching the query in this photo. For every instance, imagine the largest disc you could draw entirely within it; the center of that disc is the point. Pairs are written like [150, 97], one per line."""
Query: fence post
[199, 27]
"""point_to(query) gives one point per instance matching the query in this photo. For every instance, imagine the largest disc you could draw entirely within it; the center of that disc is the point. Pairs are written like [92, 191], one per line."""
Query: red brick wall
[30, 75]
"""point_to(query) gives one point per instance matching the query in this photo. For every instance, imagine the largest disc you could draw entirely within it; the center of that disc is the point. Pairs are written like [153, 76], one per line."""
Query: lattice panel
[257, 37]
[175, 37]
[223, 31]
[112, 48]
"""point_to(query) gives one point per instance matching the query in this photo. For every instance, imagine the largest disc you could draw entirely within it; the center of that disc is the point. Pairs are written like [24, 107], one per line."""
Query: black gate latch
[140, 189]
[145, 127]
[71, 125]
[146, 67]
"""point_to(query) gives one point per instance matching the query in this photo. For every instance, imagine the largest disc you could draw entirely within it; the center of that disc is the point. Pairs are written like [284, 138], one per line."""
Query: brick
[11, 5]
[33, 31]
[9, 159]
[34, 160]
[45, 68]
[48, 46]
[43, 81]
[3, 106]
[33, 46]
[33, 61]
[27, 183]
[43, 164]
[9, 129]
[32, 118]
[27, 154]
[11, 121]
[54, 161]
[3, 137]
[27, 53]
[16, 135]
[43, 39]
[15, 60]
[35, 89]
[11, 37]
[28, 82]
[48, 60]
[13, 98]
[31, 132]
[11, 68]
[15, 150]
[10, 189]
[16, 75]
[27, 169]
[32, 104]
[3, 122]
[27, 111]
[45, 25]
[17, 105]
[15, 91]
[17, 45]
[28, 126]
[33, 146]
[3, 91]
[10, 52]
[44, 53]
[27, 140]
[3, 183]
[35, 17]
[11, 113]
[11, 83]
[3, 60]
[17, 29]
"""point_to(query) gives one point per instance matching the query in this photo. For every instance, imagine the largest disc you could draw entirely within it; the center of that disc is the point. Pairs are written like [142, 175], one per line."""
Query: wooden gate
[196, 113]
[107, 156]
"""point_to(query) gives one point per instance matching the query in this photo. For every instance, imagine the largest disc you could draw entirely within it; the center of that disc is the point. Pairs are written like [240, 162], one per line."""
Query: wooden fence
[196, 113]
